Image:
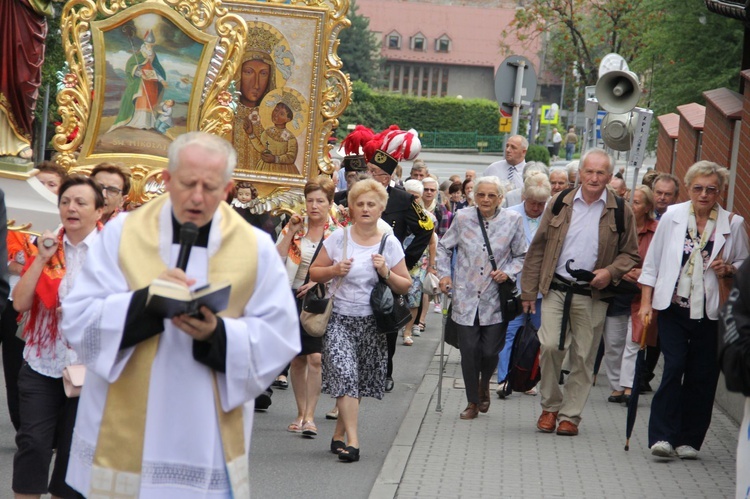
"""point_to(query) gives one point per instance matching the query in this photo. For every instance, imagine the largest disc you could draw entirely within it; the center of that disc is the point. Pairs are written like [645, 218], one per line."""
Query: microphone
[188, 235]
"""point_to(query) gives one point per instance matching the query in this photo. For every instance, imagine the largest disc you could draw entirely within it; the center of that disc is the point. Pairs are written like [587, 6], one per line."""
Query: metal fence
[462, 140]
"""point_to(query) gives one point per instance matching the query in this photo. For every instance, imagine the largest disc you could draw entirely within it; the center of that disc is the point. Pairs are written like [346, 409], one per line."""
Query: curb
[388, 480]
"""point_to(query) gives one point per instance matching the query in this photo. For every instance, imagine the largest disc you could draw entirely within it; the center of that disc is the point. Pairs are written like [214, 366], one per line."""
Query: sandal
[295, 426]
[337, 446]
[408, 341]
[309, 429]
[349, 455]
[281, 382]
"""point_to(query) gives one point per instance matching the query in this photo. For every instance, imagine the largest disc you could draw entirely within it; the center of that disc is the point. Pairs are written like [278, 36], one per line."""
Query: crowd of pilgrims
[338, 241]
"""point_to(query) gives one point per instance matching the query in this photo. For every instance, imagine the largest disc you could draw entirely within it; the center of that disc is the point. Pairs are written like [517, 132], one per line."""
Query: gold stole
[116, 471]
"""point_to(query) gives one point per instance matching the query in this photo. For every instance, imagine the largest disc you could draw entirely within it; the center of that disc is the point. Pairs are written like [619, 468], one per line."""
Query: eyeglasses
[430, 190]
[711, 190]
[108, 189]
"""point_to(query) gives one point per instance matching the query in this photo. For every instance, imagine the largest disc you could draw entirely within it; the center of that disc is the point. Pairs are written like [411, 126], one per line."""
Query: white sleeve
[93, 313]
[394, 253]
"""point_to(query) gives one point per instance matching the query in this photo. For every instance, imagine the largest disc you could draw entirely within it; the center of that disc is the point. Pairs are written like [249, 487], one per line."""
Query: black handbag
[510, 299]
[390, 309]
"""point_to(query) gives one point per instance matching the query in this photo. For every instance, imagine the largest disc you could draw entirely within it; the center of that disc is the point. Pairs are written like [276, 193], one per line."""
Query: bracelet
[388, 275]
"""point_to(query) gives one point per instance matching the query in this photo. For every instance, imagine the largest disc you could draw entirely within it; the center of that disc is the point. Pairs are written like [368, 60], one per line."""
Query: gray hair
[537, 187]
[560, 171]
[534, 167]
[428, 180]
[414, 186]
[492, 180]
[524, 140]
[600, 152]
[209, 142]
[704, 169]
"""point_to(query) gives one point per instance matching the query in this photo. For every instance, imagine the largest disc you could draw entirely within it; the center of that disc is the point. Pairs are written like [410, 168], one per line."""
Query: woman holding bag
[354, 352]
[695, 243]
[300, 241]
[481, 326]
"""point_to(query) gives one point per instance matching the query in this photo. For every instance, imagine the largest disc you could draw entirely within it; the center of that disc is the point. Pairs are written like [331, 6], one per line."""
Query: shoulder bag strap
[380, 252]
[486, 240]
[315, 255]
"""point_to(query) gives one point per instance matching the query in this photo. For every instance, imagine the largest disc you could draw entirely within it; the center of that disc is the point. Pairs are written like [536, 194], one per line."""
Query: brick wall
[742, 185]
[692, 119]
[723, 109]
[666, 141]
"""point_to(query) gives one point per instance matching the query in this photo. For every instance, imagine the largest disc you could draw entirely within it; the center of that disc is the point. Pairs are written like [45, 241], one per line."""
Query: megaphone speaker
[618, 91]
[617, 131]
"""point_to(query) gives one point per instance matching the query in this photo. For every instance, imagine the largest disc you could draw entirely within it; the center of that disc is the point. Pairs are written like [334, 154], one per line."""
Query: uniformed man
[403, 213]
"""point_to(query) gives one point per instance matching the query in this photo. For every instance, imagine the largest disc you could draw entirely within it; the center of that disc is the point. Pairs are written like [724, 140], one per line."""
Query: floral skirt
[355, 357]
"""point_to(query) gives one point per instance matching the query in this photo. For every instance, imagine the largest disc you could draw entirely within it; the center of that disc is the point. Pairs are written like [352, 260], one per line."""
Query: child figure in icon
[276, 144]
[281, 118]
[164, 121]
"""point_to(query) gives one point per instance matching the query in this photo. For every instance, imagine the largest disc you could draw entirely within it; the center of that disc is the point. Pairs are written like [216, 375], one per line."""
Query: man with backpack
[587, 228]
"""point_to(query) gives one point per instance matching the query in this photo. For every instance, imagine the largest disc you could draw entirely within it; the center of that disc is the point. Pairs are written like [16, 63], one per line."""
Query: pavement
[411, 449]
[501, 453]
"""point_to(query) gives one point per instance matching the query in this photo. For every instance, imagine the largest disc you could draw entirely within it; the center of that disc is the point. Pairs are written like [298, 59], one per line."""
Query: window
[418, 42]
[394, 41]
[443, 44]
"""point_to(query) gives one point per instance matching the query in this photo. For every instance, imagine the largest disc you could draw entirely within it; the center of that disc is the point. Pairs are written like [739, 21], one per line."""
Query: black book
[167, 299]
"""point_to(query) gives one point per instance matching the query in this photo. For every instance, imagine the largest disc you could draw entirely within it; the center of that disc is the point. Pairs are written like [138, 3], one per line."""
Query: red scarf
[41, 328]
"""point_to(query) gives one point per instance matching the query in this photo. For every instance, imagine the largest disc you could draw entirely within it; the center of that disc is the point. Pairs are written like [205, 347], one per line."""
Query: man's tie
[512, 174]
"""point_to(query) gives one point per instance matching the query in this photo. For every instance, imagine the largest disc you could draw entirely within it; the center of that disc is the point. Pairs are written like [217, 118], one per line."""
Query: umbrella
[622, 288]
[599, 357]
[444, 307]
[636, 390]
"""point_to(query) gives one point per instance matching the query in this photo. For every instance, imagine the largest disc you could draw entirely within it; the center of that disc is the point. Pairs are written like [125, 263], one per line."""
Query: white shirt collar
[86, 240]
[602, 198]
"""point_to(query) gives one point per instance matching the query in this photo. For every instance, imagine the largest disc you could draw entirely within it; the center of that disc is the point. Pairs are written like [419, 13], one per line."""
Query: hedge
[379, 110]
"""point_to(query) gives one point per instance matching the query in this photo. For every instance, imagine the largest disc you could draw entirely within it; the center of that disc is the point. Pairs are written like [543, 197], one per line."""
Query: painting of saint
[150, 65]
[266, 66]
[146, 80]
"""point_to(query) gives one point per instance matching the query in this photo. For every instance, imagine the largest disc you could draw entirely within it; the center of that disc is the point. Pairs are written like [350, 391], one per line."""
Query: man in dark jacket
[406, 216]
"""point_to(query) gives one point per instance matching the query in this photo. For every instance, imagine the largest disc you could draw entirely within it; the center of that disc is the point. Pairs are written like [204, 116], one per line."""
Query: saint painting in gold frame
[264, 75]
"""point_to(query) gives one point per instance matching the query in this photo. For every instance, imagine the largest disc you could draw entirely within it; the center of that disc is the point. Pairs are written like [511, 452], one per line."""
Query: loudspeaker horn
[618, 91]
[618, 130]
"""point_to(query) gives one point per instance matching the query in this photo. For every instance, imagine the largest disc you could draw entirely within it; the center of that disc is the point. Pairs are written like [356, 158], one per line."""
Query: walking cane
[439, 407]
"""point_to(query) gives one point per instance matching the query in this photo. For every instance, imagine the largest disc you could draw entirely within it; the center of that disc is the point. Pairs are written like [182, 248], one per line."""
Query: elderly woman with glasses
[696, 243]
[476, 311]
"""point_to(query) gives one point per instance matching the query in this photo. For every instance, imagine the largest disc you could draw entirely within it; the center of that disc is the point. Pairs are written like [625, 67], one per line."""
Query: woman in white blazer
[695, 244]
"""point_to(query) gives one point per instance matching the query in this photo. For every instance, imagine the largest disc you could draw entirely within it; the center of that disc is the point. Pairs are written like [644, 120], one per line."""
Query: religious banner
[264, 75]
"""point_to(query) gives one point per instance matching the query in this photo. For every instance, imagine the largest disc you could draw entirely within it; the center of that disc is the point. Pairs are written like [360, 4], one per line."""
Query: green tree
[578, 33]
[688, 51]
[359, 49]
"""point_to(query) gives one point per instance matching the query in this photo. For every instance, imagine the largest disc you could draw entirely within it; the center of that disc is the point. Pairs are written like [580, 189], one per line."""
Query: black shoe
[616, 399]
[388, 384]
[646, 387]
[349, 455]
[263, 401]
[626, 399]
[337, 446]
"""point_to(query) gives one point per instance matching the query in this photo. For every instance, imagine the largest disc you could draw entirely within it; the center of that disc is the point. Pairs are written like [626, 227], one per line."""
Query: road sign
[504, 125]
[550, 115]
[505, 82]
[640, 136]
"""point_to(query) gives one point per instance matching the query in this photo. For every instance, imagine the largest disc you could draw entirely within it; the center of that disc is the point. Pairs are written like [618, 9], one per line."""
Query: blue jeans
[513, 327]
[569, 150]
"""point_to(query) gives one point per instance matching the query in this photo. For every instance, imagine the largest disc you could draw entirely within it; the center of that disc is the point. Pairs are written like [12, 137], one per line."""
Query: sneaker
[438, 309]
[663, 449]
[686, 452]
[415, 331]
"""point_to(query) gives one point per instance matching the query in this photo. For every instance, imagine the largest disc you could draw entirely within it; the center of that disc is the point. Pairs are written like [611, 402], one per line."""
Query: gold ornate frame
[222, 27]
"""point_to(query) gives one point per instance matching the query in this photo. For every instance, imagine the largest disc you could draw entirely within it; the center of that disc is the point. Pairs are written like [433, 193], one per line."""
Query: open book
[167, 299]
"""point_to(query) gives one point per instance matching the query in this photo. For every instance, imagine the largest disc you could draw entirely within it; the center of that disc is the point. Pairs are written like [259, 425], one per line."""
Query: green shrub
[379, 110]
[538, 153]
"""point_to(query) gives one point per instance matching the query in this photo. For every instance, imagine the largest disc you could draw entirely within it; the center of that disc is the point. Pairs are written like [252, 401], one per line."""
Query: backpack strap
[619, 211]
[559, 200]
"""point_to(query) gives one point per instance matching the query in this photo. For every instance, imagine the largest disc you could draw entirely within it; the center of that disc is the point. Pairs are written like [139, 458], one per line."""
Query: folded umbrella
[622, 288]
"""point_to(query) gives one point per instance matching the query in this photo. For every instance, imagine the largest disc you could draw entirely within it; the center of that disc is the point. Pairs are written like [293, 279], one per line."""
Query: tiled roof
[475, 32]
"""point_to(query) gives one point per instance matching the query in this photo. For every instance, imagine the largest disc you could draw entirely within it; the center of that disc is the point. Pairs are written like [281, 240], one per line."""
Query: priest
[167, 405]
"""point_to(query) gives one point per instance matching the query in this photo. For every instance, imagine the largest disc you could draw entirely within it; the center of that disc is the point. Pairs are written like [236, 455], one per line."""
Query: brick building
[444, 48]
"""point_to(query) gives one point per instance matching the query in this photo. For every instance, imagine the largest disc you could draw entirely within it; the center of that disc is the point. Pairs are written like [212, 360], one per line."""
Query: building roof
[475, 32]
